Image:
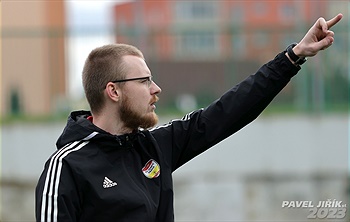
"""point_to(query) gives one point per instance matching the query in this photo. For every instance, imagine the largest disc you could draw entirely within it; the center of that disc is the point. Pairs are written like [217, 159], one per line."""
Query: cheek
[139, 103]
[141, 98]
[138, 99]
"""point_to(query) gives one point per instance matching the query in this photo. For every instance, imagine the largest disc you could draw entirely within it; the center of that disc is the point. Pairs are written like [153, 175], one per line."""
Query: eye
[147, 81]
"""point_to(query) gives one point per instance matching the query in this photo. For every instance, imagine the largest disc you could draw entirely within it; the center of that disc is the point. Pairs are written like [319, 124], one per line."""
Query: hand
[319, 37]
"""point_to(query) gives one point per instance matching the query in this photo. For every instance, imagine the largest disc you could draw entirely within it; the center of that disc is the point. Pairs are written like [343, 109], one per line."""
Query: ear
[112, 91]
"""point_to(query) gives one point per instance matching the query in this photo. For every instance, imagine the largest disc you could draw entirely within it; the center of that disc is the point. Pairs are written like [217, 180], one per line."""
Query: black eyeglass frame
[149, 78]
[133, 79]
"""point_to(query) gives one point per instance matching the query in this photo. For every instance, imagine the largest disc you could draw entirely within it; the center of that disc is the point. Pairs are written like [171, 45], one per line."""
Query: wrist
[297, 50]
[293, 53]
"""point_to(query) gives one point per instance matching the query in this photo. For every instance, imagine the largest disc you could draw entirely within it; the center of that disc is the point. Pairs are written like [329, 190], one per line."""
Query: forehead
[136, 66]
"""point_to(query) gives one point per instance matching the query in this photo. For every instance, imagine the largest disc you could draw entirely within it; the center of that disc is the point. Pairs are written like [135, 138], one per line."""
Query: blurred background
[298, 149]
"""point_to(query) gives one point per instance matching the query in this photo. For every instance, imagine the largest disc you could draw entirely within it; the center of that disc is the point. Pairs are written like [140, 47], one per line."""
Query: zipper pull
[119, 141]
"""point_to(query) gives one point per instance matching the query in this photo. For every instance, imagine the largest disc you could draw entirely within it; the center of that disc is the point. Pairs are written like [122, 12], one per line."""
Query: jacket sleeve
[56, 196]
[181, 140]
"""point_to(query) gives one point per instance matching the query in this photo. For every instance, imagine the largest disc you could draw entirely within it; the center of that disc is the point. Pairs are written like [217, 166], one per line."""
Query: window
[237, 14]
[287, 12]
[239, 45]
[198, 43]
[195, 10]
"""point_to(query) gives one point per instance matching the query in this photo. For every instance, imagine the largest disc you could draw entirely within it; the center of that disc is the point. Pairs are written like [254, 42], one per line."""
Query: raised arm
[184, 139]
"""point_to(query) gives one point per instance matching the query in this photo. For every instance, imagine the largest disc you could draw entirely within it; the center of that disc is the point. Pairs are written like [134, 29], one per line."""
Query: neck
[112, 125]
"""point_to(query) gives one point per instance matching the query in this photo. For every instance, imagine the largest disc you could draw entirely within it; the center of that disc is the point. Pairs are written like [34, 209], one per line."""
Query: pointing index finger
[334, 20]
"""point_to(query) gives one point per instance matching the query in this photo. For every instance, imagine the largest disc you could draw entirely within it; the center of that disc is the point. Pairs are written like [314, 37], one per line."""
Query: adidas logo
[107, 183]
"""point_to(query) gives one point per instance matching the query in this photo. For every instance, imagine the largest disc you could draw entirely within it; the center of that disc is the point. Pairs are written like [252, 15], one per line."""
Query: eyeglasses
[146, 80]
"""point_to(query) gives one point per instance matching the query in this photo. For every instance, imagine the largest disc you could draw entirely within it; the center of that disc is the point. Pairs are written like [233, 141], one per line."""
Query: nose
[155, 89]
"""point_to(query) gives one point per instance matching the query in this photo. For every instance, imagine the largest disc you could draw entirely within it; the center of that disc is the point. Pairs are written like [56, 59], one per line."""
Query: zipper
[140, 190]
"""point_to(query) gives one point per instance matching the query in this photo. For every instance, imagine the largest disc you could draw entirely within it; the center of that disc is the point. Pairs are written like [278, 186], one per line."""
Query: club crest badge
[151, 169]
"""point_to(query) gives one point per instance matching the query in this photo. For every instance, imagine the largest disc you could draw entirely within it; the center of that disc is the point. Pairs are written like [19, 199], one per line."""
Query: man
[110, 166]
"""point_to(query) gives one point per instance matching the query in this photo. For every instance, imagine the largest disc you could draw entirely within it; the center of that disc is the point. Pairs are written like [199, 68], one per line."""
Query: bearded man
[111, 165]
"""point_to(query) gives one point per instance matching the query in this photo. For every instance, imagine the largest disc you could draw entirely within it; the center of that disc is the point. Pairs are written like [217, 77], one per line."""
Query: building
[33, 60]
[212, 30]
[209, 39]
[234, 38]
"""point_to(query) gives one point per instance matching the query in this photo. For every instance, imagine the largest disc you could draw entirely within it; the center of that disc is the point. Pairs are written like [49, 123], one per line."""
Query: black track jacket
[96, 176]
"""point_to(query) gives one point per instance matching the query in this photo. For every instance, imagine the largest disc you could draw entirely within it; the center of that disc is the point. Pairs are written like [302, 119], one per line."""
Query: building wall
[229, 32]
[33, 66]
[214, 29]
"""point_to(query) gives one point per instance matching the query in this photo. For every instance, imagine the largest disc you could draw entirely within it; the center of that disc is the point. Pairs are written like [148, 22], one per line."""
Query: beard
[133, 119]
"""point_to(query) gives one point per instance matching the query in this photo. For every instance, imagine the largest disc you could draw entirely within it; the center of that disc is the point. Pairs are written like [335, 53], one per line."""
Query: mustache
[154, 99]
